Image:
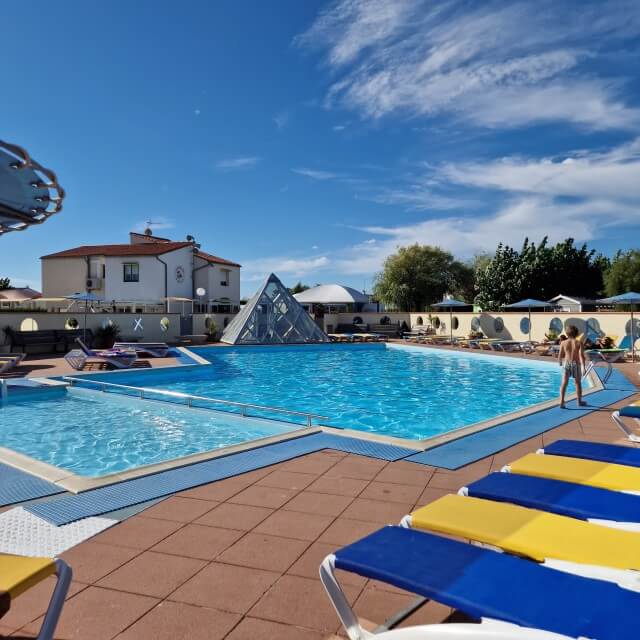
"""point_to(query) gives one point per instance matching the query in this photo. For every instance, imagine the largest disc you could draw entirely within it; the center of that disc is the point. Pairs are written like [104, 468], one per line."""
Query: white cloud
[317, 174]
[493, 63]
[339, 127]
[234, 164]
[281, 119]
[258, 269]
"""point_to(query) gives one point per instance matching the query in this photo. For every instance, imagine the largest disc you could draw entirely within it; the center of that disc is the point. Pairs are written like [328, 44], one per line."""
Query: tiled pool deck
[238, 558]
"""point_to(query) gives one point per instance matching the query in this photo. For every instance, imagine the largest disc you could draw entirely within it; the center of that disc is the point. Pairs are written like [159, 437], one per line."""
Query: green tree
[539, 271]
[5, 283]
[419, 275]
[298, 288]
[624, 273]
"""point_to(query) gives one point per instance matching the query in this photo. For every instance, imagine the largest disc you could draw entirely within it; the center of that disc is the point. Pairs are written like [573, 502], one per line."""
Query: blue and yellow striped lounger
[19, 574]
[510, 597]
[615, 453]
[605, 475]
[612, 508]
[573, 545]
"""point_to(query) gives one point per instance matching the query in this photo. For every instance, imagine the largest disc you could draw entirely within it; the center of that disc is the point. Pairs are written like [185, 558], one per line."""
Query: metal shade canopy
[451, 304]
[29, 193]
[86, 298]
[529, 303]
[630, 297]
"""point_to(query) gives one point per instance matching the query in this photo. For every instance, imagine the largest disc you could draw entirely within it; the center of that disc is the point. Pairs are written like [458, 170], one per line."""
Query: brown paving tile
[322, 504]
[357, 467]
[310, 464]
[179, 509]
[392, 492]
[429, 495]
[91, 561]
[293, 524]
[179, 621]
[301, 602]
[263, 497]
[338, 486]
[198, 541]
[377, 511]
[308, 565]
[33, 603]
[377, 605]
[137, 532]
[261, 551]
[406, 473]
[451, 482]
[344, 531]
[256, 629]
[99, 614]
[235, 516]
[217, 491]
[225, 587]
[152, 574]
[281, 479]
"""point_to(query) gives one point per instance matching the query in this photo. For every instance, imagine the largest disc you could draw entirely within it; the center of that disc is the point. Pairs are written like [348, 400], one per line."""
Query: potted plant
[104, 337]
[212, 332]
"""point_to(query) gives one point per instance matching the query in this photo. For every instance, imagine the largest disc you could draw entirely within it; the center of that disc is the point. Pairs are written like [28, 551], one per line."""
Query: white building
[149, 269]
[335, 298]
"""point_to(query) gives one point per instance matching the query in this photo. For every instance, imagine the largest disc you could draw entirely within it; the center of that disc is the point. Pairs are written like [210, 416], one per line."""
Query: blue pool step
[70, 508]
[18, 486]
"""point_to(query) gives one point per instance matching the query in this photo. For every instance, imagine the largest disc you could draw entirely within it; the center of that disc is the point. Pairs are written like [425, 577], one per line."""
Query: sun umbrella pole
[451, 324]
[633, 339]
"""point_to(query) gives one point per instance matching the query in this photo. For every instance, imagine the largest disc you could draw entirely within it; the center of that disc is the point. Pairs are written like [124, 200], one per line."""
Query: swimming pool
[393, 390]
[93, 434]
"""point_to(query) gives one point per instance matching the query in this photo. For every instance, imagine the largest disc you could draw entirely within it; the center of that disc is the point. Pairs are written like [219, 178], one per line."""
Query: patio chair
[631, 411]
[600, 506]
[590, 472]
[19, 574]
[600, 451]
[119, 359]
[556, 541]
[510, 598]
[153, 349]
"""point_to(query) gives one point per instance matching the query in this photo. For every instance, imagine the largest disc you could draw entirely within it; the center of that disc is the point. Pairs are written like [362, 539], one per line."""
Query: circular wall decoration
[455, 323]
[179, 273]
[436, 322]
[475, 324]
[525, 325]
[357, 320]
[28, 324]
[556, 325]
[71, 323]
[164, 324]
[498, 325]
[420, 321]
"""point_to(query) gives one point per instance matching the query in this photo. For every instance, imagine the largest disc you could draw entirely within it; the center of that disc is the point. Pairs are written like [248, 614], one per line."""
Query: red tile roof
[215, 260]
[142, 249]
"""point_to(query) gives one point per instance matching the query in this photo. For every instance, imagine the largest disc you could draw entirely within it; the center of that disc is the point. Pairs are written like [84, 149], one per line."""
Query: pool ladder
[145, 393]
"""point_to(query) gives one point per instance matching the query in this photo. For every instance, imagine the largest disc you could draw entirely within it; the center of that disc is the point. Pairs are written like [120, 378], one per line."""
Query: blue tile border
[18, 486]
[468, 449]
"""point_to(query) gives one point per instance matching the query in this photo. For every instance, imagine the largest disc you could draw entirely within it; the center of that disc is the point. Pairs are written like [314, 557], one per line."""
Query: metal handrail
[188, 398]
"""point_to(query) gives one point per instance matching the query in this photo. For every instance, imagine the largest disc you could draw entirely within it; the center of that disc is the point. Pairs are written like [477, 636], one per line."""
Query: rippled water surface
[400, 391]
[90, 434]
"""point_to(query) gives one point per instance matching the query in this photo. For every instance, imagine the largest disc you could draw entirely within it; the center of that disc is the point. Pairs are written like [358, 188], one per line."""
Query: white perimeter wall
[148, 331]
[611, 323]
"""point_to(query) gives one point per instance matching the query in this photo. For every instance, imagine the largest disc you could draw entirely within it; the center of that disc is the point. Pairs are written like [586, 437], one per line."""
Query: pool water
[407, 392]
[91, 434]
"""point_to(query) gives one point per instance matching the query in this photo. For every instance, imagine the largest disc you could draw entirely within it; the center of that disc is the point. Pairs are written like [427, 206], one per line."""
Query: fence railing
[146, 393]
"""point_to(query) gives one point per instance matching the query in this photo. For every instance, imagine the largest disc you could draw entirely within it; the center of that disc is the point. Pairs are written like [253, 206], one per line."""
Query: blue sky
[312, 138]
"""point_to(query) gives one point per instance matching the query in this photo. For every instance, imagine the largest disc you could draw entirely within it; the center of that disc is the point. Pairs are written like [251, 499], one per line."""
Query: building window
[225, 277]
[131, 272]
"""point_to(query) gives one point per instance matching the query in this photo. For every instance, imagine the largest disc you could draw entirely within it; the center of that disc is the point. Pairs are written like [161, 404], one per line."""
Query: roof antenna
[148, 231]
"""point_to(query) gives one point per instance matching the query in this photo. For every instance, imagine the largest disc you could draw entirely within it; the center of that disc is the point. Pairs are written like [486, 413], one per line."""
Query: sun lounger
[608, 355]
[119, 359]
[19, 574]
[615, 453]
[340, 337]
[10, 360]
[590, 472]
[510, 598]
[153, 349]
[557, 541]
[600, 506]
[631, 411]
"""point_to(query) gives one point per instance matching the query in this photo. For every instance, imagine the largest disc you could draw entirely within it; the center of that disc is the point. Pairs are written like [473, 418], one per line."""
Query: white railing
[144, 393]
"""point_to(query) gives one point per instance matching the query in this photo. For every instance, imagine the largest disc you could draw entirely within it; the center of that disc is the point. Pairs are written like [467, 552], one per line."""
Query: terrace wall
[513, 324]
[144, 327]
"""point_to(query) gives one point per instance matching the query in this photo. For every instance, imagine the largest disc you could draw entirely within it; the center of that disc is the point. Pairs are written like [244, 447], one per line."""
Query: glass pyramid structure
[273, 316]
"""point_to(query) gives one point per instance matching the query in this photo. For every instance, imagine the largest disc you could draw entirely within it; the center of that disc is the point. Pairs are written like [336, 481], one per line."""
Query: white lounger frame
[487, 629]
[617, 418]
